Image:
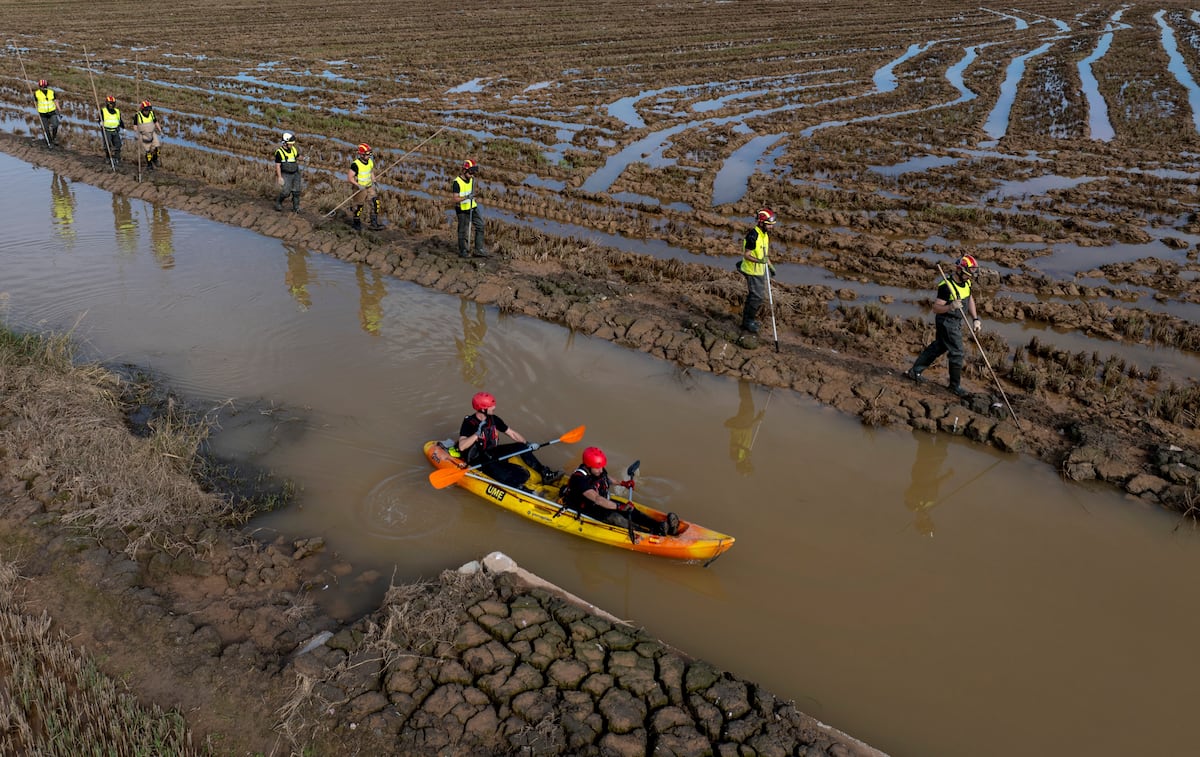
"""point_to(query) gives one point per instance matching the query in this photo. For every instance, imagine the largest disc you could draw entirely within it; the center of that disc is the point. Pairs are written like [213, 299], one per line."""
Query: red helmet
[593, 457]
[43, 83]
[470, 166]
[766, 217]
[364, 149]
[110, 99]
[145, 105]
[967, 264]
[482, 401]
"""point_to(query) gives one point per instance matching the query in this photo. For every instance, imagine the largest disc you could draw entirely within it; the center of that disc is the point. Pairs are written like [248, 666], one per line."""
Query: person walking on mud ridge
[362, 176]
[953, 295]
[114, 129]
[753, 265]
[47, 108]
[287, 172]
[148, 129]
[466, 208]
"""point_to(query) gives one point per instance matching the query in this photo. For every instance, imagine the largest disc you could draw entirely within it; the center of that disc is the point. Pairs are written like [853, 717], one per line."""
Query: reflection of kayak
[693, 542]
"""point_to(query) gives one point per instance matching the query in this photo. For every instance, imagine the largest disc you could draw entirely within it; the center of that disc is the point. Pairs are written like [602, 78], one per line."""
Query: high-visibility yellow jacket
[761, 244]
[112, 118]
[464, 190]
[363, 171]
[45, 100]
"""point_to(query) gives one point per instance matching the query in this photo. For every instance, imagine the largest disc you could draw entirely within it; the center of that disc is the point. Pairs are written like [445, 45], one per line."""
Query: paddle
[630, 472]
[443, 477]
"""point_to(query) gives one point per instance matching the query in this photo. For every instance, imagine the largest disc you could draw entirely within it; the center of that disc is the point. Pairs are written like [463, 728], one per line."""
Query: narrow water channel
[926, 595]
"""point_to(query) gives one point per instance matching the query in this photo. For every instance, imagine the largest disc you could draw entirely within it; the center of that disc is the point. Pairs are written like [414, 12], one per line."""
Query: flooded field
[1056, 143]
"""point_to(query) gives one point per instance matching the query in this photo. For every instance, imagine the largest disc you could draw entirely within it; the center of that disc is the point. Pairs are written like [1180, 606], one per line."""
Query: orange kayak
[692, 542]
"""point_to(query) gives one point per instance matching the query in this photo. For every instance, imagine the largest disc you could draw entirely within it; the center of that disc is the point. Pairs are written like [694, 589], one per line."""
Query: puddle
[1036, 186]
[996, 125]
[917, 164]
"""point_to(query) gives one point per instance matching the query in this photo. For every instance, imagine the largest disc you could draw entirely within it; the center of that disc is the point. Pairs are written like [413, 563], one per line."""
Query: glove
[955, 304]
[624, 506]
[533, 446]
[977, 325]
[627, 484]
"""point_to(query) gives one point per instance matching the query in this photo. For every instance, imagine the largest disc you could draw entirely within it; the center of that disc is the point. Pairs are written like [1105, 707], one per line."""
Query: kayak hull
[693, 542]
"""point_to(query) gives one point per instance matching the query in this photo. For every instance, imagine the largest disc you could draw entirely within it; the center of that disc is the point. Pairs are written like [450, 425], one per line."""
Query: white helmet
[289, 137]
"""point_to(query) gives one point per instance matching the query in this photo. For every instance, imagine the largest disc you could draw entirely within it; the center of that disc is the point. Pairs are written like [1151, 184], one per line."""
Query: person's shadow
[474, 371]
[927, 478]
[742, 429]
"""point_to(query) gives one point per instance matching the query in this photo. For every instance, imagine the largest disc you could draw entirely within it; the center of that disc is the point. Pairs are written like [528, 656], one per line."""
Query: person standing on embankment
[287, 172]
[466, 210]
[753, 265]
[47, 107]
[148, 128]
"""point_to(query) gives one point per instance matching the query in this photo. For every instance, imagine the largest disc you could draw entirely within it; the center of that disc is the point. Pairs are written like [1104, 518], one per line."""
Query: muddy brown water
[924, 594]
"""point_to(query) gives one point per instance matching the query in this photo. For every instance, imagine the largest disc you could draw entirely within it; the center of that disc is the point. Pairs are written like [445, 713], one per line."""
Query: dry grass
[55, 702]
[416, 619]
[421, 618]
[67, 440]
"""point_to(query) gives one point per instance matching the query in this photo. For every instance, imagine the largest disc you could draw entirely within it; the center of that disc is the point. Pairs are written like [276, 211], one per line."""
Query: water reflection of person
[927, 477]
[124, 223]
[370, 299]
[162, 237]
[474, 371]
[741, 430]
[296, 277]
[62, 209]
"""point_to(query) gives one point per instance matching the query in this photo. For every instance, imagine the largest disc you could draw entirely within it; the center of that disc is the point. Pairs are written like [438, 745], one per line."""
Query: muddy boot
[376, 207]
[279, 204]
[154, 159]
[955, 384]
[295, 203]
[358, 218]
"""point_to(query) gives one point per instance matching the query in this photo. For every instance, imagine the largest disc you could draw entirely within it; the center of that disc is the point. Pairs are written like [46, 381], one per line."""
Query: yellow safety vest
[957, 291]
[112, 118]
[760, 253]
[288, 154]
[45, 100]
[363, 171]
[464, 189]
[144, 118]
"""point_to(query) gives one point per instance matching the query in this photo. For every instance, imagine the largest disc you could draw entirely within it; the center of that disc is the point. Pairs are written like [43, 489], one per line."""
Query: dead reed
[55, 702]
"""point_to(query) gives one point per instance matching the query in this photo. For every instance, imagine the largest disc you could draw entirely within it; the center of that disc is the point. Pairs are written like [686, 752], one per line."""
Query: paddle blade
[632, 470]
[573, 435]
[443, 477]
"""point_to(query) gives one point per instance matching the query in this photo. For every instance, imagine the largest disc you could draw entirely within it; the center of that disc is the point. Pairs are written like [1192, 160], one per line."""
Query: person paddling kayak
[479, 444]
[586, 492]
